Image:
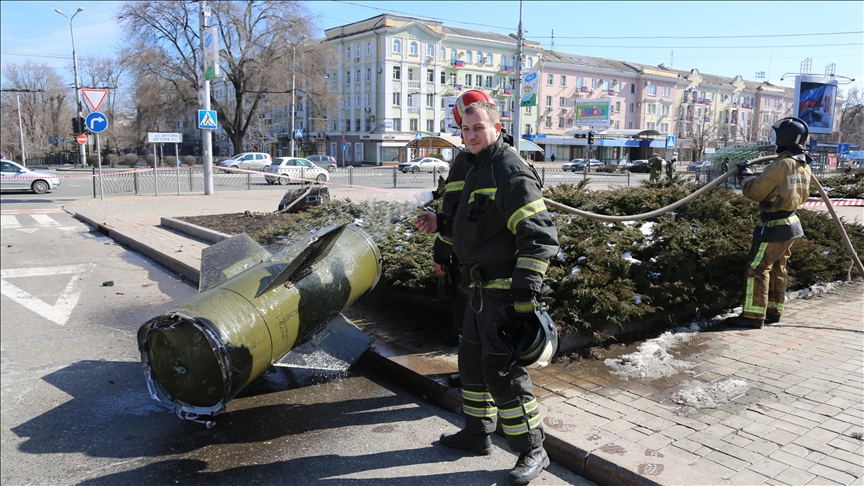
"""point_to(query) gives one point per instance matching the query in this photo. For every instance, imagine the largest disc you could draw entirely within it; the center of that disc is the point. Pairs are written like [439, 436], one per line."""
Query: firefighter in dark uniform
[504, 240]
[779, 190]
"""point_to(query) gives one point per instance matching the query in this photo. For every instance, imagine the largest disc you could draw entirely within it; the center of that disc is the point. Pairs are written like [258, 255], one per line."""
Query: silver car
[248, 161]
[295, 170]
[16, 177]
[426, 164]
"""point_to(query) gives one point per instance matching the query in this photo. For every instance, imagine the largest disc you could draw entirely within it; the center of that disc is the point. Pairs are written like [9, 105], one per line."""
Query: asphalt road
[75, 407]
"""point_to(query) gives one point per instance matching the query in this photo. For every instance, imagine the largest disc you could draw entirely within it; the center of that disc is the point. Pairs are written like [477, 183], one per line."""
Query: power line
[702, 36]
[59, 30]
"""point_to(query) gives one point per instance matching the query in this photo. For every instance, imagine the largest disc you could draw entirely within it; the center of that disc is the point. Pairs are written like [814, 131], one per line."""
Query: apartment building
[394, 75]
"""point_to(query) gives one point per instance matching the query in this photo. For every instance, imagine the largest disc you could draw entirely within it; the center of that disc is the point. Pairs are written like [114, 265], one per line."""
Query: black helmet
[531, 344]
[791, 132]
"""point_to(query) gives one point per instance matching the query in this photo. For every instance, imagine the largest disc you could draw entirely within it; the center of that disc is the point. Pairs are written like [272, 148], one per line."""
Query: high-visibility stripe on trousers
[766, 275]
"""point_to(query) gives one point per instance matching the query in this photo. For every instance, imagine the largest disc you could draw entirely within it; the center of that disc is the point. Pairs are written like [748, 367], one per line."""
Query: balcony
[413, 110]
[413, 85]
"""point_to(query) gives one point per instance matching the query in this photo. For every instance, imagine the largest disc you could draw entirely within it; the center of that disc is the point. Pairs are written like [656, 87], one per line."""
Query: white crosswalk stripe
[45, 220]
[25, 222]
[8, 221]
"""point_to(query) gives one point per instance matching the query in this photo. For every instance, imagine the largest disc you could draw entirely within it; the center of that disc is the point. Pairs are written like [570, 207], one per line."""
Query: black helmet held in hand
[791, 132]
[532, 340]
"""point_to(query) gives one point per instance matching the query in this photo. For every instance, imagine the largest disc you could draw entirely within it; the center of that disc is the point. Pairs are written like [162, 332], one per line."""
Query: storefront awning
[529, 146]
[437, 141]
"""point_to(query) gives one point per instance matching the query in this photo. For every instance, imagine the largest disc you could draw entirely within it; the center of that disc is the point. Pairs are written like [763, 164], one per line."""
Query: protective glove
[744, 169]
[523, 301]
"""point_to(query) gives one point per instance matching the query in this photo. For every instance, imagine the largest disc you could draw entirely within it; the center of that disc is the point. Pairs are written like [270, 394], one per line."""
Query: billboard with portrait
[814, 102]
[593, 112]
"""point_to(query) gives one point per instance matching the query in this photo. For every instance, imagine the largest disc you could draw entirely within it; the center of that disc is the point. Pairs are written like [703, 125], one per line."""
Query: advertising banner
[529, 90]
[449, 122]
[814, 102]
[594, 112]
[211, 53]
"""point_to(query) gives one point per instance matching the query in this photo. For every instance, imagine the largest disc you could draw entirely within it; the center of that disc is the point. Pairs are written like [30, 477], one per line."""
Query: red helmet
[465, 101]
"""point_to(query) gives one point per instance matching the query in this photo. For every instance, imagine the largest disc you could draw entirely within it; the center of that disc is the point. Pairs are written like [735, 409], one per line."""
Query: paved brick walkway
[800, 420]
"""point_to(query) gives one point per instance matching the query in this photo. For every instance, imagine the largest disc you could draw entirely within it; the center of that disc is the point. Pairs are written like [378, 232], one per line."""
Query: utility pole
[517, 135]
[20, 124]
[206, 135]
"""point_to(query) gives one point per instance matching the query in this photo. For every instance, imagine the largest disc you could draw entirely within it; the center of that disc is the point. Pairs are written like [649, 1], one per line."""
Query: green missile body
[253, 308]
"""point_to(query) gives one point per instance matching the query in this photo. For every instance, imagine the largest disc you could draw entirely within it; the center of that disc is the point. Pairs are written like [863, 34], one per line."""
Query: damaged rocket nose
[316, 248]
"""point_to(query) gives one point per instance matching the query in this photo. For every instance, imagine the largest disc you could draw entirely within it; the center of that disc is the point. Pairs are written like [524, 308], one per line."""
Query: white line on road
[62, 309]
[8, 221]
[44, 220]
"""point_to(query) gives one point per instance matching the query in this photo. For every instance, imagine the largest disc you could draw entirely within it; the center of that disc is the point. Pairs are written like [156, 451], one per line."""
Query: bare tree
[704, 134]
[852, 118]
[46, 109]
[255, 39]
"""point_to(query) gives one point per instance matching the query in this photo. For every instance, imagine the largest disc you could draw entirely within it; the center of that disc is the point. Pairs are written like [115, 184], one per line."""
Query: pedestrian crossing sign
[207, 119]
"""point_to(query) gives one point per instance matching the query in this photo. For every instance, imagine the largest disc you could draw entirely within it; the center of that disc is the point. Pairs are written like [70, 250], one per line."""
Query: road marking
[44, 219]
[62, 309]
[9, 222]
[32, 211]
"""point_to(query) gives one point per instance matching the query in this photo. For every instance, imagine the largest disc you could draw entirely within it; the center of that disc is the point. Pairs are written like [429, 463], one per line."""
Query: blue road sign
[96, 122]
[670, 142]
[207, 119]
[813, 144]
[842, 148]
[418, 136]
[298, 133]
[344, 147]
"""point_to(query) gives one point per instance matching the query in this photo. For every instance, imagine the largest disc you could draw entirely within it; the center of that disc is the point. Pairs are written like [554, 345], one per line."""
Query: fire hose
[719, 180]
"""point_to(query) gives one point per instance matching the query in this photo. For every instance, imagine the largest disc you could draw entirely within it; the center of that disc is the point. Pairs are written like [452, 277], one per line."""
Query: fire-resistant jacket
[780, 190]
[501, 221]
[443, 246]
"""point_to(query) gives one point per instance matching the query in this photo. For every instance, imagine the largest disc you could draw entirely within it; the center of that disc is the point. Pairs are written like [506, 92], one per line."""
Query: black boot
[745, 322]
[478, 444]
[772, 318]
[529, 466]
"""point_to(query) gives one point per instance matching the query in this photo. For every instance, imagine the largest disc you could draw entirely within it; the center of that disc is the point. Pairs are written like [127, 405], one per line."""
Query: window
[578, 83]
[479, 81]
[632, 90]
[414, 49]
[357, 56]
[527, 128]
[430, 75]
[617, 107]
[443, 77]
[397, 124]
[617, 125]
[368, 74]
[488, 58]
[397, 72]
[347, 125]
[348, 56]
[632, 107]
[468, 79]
[409, 99]
[548, 101]
[652, 90]
[664, 127]
[512, 83]
[650, 125]
[430, 50]
[776, 103]
[480, 59]
[412, 124]
[562, 102]
[397, 99]
[397, 46]
[503, 60]
[357, 100]
[358, 76]
[430, 101]
[430, 125]
[469, 56]
[630, 125]
[550, 78]
[368, 48]
[560, 122]
[530, 62]
[652, 108]
[606, 85]
[488, 81]
[512, 61]
[410, 75]
[452, 54]
[367, 100]
[563, 80]
[667, 91]
[453, 79]
[767, 103]
[527, 110]
[348, 77]
[665, 109]
[594, 83]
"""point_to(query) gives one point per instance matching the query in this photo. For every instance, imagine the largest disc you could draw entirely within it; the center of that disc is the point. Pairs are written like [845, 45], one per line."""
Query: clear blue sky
[633, 31]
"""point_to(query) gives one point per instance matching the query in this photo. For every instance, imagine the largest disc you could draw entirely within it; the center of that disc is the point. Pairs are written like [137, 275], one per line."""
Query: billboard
[211, 53]
[814, 102]
[449, 122]
[594, 112]
[529, 90]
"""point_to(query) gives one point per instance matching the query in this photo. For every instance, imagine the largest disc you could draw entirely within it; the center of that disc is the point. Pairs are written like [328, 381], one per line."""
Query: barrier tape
[837, 202]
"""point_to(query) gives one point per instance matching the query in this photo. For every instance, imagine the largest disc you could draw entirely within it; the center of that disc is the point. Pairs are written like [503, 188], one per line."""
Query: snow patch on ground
[651, 359]
[699, 394]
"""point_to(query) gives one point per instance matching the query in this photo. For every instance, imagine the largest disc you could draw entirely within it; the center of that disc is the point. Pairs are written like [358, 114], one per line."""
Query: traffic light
[78, 125]
[590, 138]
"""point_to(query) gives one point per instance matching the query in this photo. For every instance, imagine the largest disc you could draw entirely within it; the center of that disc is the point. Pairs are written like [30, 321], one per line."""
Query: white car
[426, 164]
[16, 177]
[300, 171]
[248, 161]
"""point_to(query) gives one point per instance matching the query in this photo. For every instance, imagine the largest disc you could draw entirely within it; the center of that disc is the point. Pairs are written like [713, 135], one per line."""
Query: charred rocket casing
[253, 308]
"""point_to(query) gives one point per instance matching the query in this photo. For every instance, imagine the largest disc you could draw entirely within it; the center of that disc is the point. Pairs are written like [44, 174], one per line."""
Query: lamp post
[77, 83]
[293, 77]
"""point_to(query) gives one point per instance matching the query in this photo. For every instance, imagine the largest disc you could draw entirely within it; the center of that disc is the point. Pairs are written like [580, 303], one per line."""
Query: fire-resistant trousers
[487, 396]
[766, 278]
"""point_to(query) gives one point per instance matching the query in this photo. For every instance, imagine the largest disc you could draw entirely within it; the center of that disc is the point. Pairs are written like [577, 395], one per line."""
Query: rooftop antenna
[760, 75]
[770, 56]
[672, 59]
[553, 39]
[829, 69]
[806, 65]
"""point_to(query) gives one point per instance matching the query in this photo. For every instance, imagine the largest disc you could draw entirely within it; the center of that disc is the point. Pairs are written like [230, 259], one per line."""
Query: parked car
[248, 161]
[301, 170]
[700, 165]
[325, 161]
[639, 165]
[426, 164]
[16, 177]
[854, 166]
[578, 165]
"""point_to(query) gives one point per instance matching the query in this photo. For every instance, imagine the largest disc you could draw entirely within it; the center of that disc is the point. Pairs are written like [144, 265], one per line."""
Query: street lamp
[293, 76]
[77, 83]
